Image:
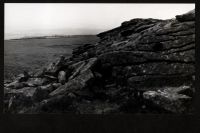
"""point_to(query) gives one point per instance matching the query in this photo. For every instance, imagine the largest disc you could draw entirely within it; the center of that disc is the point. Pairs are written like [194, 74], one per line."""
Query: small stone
[62, 77]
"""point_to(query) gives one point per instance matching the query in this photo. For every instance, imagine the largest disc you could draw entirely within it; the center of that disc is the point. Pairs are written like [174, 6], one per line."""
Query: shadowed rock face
[143, 66]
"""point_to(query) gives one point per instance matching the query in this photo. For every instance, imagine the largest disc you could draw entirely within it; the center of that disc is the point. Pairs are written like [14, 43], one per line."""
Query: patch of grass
[33, 54]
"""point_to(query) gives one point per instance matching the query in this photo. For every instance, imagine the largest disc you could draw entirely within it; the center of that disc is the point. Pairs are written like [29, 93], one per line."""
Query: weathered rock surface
[79, 79]
[62, 77]
[142, 66]
[169, 99]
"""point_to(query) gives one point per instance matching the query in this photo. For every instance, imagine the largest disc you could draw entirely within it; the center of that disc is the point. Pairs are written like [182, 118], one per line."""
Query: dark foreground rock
[142, 66]
[170, 99]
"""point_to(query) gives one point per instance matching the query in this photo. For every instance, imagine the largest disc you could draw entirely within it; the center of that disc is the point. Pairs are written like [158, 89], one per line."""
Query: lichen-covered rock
[190, 16]
[54, 67]
[152, 82]
[75, 84]
[82, 66]
[121, 58]
[81, 76]
[169, 99]
[185, 90]
[26, 91]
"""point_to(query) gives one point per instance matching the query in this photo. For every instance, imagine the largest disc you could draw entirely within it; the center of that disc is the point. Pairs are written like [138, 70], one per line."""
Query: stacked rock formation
[142, 66]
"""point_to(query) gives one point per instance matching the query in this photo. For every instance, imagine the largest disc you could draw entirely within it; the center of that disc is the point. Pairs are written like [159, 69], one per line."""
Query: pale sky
[41, 18]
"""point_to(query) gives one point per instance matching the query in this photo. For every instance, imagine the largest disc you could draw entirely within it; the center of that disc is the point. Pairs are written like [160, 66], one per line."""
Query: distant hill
[52, 36]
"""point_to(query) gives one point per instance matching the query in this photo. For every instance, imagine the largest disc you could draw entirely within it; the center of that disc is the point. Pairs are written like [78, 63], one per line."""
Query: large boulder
[82, 66]
[20, 98]
[189, 16]
[55, 66]
[170, 99]
[26, 97]
[75, 84]
[81, 76]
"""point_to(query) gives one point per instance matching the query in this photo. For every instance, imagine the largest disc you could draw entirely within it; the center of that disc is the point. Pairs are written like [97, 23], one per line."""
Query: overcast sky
[32, 19]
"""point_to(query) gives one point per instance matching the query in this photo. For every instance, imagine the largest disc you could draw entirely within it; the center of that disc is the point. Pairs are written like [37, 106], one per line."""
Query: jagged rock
[79, 81]
[82, 66]
[154, 82]
[82, 49]
[185, 90]
[54, 67]
[62, 77]
[173, 102]
[121, 58]
[20, 98]
[75, 84]
[76, 69]
[16, 85]
[90, 53]
[37, 81]
[186, 17]
[126, 29]
[48, 87]
[7, 81]
[27, 96]
[158, 68]
[23, 77]
[40, 73]
[50, 77]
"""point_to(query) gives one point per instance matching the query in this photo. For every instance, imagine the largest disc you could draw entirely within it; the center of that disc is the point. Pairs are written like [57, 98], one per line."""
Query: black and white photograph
[99, 58]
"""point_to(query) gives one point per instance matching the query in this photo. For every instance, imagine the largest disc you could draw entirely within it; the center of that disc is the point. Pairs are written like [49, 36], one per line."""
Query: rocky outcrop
[142, 66]
[170, 99]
